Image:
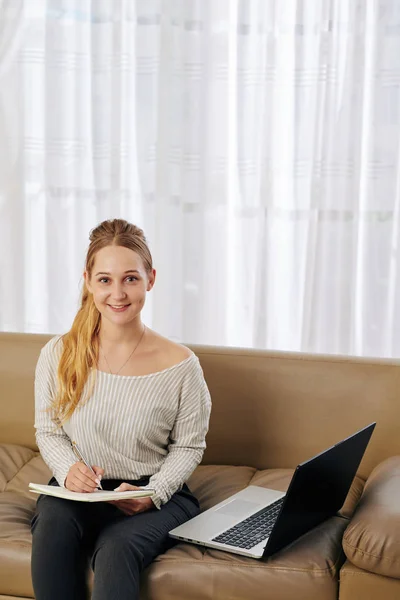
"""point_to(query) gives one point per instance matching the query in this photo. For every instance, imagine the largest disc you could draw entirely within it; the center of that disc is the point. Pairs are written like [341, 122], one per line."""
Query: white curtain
[257, 142]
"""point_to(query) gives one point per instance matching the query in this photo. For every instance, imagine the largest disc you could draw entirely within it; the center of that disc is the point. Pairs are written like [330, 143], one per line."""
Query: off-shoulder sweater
[133, 426]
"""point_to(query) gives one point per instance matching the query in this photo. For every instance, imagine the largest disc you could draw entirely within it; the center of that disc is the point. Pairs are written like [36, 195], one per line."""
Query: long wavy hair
[81, 344]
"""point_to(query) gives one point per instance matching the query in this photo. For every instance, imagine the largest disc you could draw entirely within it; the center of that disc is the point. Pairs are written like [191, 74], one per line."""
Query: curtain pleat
[257, 143]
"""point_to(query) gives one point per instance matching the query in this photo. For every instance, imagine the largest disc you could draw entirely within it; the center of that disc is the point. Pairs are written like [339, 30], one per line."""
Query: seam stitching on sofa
[315, 358]
[245, 566]
[274, 480]
[380, 557]
[331, 569]
[19, 471]
[360, 572]
[18, 544]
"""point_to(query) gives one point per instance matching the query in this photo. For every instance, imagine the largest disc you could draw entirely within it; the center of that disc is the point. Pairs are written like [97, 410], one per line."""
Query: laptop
[259, 522]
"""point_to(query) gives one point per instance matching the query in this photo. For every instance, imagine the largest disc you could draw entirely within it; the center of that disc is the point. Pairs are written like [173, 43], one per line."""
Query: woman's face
[119, 283]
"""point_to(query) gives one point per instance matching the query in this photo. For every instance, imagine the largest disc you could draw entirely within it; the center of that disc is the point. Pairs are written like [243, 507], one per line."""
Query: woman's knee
[117, 550]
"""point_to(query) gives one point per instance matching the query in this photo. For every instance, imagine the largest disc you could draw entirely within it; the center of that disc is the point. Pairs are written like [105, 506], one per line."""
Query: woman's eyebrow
[104, 273]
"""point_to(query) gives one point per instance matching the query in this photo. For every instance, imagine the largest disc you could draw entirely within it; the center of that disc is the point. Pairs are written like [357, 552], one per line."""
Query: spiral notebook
[96, 496]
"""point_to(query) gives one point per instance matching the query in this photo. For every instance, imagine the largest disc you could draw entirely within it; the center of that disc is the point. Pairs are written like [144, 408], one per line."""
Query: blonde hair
[81, 344]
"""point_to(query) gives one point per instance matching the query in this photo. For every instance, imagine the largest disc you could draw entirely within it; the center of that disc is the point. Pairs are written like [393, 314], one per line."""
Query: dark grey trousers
[66, 535]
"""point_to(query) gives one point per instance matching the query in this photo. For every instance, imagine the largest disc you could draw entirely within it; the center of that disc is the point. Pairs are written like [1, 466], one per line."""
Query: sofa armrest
[372, 538]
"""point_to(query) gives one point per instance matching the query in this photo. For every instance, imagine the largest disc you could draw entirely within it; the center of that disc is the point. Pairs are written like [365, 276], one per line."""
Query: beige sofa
[270, 411]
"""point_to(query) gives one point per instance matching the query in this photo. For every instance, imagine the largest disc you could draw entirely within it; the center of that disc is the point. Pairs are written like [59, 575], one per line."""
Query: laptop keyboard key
[252, 530]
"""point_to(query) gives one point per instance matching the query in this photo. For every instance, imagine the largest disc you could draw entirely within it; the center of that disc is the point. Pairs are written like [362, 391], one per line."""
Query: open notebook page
[96, 496]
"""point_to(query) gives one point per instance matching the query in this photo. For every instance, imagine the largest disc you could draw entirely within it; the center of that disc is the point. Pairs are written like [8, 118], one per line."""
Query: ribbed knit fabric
[132, 426]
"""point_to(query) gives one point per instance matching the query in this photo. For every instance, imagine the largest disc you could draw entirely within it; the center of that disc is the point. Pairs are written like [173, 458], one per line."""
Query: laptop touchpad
[237, 508]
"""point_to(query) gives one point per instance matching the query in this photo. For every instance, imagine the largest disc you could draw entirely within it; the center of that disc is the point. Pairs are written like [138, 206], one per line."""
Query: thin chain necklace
[131, 354]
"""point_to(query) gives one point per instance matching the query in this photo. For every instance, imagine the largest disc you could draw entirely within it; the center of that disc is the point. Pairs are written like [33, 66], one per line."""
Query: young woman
[138, 407]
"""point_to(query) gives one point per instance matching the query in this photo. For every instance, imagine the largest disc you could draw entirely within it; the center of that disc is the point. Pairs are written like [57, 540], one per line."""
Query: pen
[79, 454]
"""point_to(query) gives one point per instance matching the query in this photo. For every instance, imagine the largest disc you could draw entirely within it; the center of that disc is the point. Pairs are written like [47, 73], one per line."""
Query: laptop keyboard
[254, 529]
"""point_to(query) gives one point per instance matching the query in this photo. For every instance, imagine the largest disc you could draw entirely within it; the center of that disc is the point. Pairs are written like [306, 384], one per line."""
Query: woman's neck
[111, 335]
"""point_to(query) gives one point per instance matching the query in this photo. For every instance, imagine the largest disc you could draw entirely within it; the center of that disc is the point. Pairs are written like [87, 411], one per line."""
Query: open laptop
[258, 521]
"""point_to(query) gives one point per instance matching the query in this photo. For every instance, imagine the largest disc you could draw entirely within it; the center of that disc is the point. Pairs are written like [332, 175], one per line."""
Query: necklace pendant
[131, 354]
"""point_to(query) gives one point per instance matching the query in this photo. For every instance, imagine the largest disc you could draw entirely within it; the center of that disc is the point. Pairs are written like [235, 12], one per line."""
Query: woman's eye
[105, 279]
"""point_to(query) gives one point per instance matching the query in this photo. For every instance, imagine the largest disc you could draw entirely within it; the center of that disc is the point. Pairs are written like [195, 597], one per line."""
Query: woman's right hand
[81, 479]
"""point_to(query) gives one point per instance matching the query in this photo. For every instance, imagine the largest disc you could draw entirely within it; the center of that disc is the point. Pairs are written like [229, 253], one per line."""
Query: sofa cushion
[307, 570]
[357, 584]
[309, 567]
[18, 466]
[371, 541]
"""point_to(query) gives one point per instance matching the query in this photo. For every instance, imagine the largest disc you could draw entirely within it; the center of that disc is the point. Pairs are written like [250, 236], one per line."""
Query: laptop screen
[318, 489]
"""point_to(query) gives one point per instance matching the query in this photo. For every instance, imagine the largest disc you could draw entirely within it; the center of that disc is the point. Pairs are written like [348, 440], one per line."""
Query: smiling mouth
[118, 308]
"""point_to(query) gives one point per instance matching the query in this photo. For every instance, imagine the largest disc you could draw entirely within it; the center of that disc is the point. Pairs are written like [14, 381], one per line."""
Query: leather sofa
[271, 411]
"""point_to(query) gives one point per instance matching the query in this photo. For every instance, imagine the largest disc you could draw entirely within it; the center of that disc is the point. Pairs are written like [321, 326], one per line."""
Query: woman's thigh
[58, 517]
[100, 523]
[56, 512]
[147, 531]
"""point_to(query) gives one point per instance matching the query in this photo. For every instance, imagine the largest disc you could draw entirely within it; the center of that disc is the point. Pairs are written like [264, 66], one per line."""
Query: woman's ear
[86, 278]
[152, 279]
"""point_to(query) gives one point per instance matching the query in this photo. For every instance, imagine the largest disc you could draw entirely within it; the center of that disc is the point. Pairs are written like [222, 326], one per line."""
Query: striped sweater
[132, 426]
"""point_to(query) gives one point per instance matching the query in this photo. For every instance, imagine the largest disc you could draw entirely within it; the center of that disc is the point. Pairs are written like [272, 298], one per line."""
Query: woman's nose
[118, 292]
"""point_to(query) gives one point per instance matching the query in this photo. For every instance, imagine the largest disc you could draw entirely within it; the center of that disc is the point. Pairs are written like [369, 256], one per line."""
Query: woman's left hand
[132, 506]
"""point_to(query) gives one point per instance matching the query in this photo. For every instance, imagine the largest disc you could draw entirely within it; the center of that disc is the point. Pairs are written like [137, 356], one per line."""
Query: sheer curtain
[257, 142]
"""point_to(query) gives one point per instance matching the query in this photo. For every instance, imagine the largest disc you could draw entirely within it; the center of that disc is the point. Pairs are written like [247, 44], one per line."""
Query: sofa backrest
[270, 409]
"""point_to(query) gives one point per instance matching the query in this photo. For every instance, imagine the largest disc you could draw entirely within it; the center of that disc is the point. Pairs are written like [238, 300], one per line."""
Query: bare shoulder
[177, 352]
[170, 353]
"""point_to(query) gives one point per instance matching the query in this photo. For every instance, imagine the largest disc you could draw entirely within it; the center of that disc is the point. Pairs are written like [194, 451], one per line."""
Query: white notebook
[96, 496]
